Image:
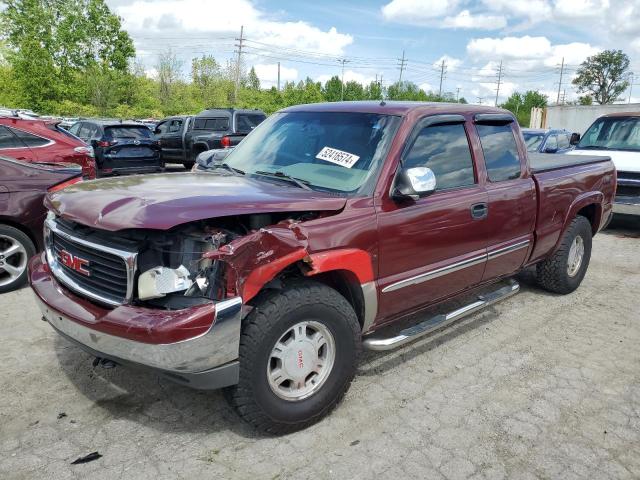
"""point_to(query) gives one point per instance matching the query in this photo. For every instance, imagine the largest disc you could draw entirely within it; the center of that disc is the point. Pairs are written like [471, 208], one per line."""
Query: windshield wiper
[281, 175]
[229, 168]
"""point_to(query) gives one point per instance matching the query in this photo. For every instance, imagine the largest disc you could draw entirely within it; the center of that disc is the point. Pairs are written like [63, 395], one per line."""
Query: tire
[21, 249]
[188, 165]
[558, 273]
[273, 318]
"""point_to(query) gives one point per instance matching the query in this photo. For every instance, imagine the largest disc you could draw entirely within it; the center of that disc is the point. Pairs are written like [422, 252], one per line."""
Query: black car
[183, 138]
[120, 147]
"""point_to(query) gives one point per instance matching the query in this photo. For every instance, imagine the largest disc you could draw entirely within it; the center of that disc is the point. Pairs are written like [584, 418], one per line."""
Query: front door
[435, 246]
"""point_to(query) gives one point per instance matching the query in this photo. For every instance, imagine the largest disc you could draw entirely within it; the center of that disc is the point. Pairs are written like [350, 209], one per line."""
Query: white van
[617, 136]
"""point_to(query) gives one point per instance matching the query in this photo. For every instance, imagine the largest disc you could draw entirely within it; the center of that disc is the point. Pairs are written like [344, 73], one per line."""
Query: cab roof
[400, 108]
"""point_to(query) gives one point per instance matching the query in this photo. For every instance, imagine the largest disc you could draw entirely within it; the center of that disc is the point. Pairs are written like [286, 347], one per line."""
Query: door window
[500, 150]
[31, 140]
[85, 131]
[563, 141]
[75, 129]
[176, 126]
[445, 150]
[8, 139]
[552, 143]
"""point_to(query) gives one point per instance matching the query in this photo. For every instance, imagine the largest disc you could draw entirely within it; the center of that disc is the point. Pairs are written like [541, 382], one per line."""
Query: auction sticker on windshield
[338, 157]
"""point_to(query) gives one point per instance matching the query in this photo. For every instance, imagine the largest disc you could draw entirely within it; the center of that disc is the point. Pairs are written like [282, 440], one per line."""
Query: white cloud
[465, 19]
[268, 74]
[417, 11]
[188, 18]
[510, 47]
[427, 87]
[451, 64]
[533, 9]
[349, 75]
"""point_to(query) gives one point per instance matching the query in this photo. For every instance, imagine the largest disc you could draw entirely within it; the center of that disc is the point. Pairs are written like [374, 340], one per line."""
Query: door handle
[479, 211]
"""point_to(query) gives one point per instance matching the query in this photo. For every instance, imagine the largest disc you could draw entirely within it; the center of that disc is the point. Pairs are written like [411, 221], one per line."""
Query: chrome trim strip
[508, 249]
[370, 294]
[129, 258]
[219, 345]
[440, 321]
[439, 272]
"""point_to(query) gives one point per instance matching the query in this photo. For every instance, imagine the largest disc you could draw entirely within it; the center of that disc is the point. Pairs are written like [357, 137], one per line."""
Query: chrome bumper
[627, 205]
[216, 347]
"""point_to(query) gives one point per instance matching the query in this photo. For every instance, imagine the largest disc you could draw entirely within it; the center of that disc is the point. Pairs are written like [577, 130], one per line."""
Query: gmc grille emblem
[74, 262]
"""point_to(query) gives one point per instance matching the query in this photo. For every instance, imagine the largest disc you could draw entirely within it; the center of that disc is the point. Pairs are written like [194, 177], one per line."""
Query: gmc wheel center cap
[300, 359]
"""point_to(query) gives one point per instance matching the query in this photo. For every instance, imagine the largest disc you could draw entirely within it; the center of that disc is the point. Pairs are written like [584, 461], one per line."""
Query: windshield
[613, 133]
[339, 152]
[129, 132]
[532, 140]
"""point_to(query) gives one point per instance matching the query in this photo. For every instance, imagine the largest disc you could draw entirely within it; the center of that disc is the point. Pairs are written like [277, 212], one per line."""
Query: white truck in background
[617, 136]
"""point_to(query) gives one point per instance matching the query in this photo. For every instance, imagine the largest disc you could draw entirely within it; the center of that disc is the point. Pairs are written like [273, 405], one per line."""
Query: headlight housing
[159, 281]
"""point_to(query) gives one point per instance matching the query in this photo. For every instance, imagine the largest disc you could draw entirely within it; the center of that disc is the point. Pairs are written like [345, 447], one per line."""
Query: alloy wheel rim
[576, 254]
[13, 260]
[301, 360]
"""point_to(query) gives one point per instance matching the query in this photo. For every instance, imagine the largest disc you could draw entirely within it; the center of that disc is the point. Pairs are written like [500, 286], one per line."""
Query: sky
[531, 38]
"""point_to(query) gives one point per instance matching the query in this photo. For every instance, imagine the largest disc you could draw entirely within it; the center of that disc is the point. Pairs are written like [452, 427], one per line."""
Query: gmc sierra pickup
[324, 227]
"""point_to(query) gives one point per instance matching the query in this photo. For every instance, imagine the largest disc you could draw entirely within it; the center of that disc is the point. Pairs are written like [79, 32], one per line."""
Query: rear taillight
[88, 151]
[104, 143]
[225, 142]
[64, 184]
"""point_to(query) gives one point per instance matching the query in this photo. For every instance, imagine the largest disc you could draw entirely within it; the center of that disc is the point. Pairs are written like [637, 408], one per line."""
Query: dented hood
[166, 200]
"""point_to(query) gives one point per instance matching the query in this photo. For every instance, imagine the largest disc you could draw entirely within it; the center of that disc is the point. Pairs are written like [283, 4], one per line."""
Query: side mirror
[415, 183]
[575, 139]
[551, 150]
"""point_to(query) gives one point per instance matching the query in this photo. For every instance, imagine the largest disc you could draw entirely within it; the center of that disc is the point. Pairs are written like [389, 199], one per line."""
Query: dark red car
[326, 226]
[32, 140]
[22, 189]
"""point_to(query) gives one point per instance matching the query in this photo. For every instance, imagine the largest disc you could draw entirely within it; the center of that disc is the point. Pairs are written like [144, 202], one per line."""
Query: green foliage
[520, 104]
[585, 100]
[603, 76]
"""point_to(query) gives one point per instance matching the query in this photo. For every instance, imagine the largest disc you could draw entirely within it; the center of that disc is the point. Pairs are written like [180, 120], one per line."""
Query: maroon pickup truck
[322, 229]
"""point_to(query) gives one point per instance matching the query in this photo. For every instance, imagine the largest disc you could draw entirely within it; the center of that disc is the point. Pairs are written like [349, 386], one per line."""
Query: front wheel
[563, 271]
[15, 250]
[298, 353]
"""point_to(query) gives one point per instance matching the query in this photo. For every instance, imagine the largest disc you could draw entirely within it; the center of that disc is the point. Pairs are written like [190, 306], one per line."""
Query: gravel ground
[539, 386]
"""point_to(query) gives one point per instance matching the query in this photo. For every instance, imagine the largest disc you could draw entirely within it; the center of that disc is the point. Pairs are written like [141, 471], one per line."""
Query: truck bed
[544, 162]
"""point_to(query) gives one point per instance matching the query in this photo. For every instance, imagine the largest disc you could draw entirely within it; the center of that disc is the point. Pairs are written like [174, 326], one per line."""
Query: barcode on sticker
[338, 157]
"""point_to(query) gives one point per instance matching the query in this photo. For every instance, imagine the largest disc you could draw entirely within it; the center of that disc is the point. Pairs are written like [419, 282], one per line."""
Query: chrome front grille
[96, 271]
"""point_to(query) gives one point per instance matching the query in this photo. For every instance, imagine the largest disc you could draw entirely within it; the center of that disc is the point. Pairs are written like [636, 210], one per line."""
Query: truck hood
[623, 160]
[164, 201]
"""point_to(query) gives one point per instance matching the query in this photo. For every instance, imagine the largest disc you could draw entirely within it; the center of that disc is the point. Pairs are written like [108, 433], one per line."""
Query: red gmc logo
[74, 262]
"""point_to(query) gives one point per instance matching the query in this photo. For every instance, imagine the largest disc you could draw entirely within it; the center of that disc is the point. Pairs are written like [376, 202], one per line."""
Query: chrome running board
[439, 321]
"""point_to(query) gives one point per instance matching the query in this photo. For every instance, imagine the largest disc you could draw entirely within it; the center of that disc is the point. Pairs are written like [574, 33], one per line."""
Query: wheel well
[24, 230]
[590, 212]
[347, 285]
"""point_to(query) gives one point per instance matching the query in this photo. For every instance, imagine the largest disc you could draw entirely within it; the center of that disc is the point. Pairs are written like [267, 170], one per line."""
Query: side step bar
[413, 333]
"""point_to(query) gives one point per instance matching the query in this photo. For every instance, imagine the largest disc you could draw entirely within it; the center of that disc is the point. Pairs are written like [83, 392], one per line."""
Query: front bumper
[206, 361]
[627, 205]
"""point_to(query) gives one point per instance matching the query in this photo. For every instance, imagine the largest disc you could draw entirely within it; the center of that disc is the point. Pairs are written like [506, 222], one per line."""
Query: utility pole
[560, 82]
[442, 67]
[480, 100]
[630, 85]
[239, 59]
[278, 76]
[343, 61]
[499, 80]
[402, 65]
[457, 94]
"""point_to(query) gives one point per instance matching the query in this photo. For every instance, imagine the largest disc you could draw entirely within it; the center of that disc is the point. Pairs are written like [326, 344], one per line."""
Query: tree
[332, 90]
[253, 82]
[603, 76]
[520, 104]
[169, 68]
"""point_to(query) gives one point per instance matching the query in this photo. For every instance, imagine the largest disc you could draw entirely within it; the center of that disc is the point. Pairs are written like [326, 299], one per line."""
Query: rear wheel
[564, 270]
[15, 250]
[298, 353]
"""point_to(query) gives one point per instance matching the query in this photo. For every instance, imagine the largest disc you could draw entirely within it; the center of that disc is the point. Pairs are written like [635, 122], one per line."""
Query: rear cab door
[511, 192]
[434, 247]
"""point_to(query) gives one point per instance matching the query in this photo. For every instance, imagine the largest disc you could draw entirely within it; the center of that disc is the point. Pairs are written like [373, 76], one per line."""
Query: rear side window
[31, 140]
[445, 150]
[8, 139]
[247, 122]
[500, 152]
[211, 124]
[129, 132]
